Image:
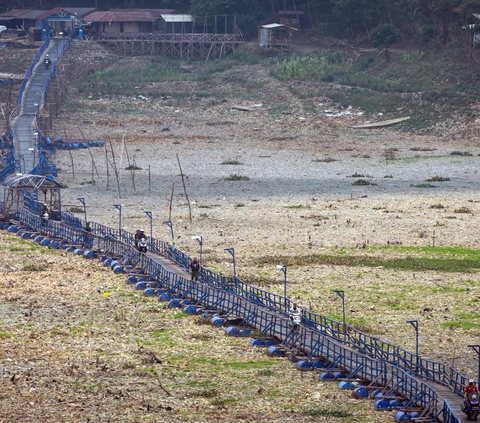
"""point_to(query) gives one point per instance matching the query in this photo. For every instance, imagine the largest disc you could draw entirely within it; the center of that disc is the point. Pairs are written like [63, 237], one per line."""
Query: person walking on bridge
[295, 316]
[195, 268]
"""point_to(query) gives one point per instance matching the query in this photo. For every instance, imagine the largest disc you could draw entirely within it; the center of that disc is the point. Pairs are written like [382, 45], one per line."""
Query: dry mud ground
[298, 203]
[299, 200]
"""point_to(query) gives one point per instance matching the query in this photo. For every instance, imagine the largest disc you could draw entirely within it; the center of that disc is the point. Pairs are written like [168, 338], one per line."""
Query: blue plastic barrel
[101, 143]
[58, 140]
[326, 376]
[232, 331]
[12, 228]
[269, 342]
[83, 145]
[140, 285]
[414, 414]
[54, 245]
[217, 321]
[256, 343]
[345, 385]
[165, 297]
[360, 393]
[38, 239]
[274, 352]
[89, 254]
[118, 269]
[190, 309]
[149, 292]
[113, 263]
[108, 262]
[45, 242]
[318, 365]
[78, 251]
[70, 249]
[25, 235]
[304, 365]
[401, 416]
[382, 404]
[340, 375]
[131, 279]
[396, 404]
[174, 304]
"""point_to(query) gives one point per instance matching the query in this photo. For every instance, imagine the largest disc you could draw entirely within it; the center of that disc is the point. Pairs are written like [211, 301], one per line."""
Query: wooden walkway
[444, 393]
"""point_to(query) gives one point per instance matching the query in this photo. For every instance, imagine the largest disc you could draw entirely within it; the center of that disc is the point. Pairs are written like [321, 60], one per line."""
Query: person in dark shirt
[195, 268]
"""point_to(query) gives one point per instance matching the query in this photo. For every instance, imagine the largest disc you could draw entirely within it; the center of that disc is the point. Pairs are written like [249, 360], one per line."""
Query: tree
[441, 13]
[384, 36]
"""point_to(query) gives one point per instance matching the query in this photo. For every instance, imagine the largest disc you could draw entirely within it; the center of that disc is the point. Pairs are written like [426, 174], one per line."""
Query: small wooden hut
[275, 35]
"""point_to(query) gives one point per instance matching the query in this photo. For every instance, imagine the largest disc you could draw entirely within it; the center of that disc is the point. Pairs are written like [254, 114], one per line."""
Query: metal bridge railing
[310, 339]
[29, 72]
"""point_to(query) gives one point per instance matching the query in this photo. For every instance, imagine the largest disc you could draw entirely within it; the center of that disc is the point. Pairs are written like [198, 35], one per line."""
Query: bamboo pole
[130, 167]
[115, 169]
[171, 203]
[91, 155]
[185, 189]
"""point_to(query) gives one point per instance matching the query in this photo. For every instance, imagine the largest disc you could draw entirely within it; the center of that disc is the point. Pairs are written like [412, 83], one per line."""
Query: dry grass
[78, 344]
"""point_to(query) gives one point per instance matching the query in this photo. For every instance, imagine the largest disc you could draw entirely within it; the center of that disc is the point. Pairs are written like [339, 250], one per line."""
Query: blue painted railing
[226, 290]
[364, 343]
[118, 244]
[29, 72]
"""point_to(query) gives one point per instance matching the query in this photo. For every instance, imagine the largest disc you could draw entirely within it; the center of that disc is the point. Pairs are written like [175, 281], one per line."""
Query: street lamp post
[476, 348]
[149, 214]
[199, 239]
[414, 323]
[283, 268]
[232, 252]
[170, 225]
[22, 157]
[119, 207]
[341, 294]
[33, 151]
[82, 200]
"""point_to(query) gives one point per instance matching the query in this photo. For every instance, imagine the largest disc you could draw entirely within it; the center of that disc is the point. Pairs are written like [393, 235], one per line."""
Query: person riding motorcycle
[295, 316]
[138, 236]
[47, 62]
[469, 388]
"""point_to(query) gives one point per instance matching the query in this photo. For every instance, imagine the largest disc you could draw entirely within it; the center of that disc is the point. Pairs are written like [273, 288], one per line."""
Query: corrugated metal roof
[176, 18]
[31, 14]
[80, 12]
[51, 12]
[12, 14]
[275, 25]
[127, 15]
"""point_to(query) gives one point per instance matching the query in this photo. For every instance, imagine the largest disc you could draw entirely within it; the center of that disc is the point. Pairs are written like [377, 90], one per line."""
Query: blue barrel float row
[59, 143]
[152, 289]
[45, 241]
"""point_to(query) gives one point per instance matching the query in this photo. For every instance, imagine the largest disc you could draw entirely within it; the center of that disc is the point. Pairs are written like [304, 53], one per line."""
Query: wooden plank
[380, 124]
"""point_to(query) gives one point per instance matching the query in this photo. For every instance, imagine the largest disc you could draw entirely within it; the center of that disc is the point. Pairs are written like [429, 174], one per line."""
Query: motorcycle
[142, 245]
[471, 406]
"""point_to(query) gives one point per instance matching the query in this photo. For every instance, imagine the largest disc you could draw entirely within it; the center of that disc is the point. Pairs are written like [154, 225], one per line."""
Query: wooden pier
[198, 46]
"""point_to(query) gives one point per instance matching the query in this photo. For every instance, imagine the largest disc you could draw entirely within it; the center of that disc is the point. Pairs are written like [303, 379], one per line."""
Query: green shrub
[235, 177]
